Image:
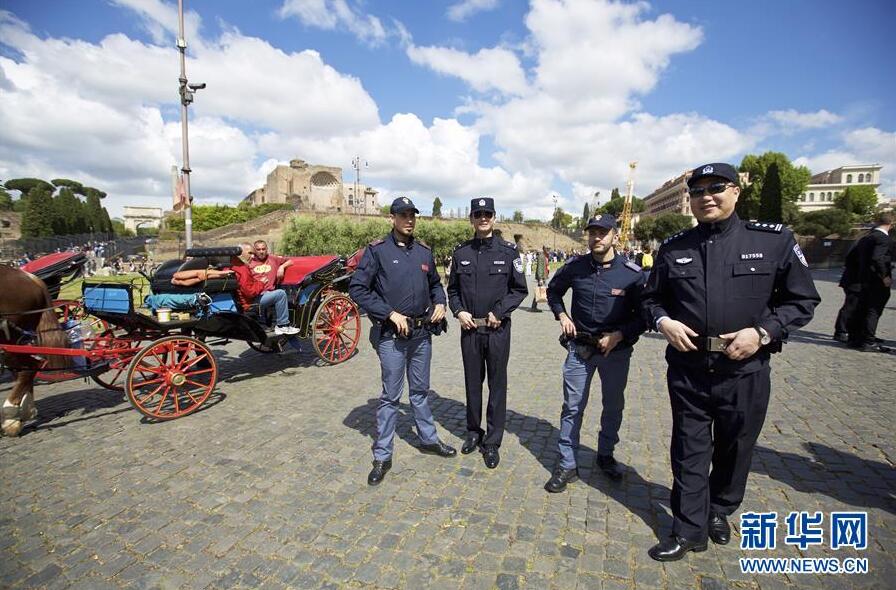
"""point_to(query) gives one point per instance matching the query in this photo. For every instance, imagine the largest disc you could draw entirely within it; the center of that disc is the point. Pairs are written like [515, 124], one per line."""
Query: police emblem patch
[518, 264]
[707, 170]
[465, 262]
[482, 202]
[800, 255]
[405, 201]
[683, 260]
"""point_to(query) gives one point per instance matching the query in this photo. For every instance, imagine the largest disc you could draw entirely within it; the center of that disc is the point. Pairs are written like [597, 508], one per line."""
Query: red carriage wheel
[172, 377]
[336, 329]
[126, 346]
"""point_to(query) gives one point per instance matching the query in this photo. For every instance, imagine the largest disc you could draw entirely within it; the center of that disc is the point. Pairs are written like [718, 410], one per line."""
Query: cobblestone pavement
[265, 488]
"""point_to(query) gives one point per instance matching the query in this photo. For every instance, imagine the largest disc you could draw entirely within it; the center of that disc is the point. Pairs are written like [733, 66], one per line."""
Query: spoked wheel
[126, 346]
[172, 377]
[337, 329]
[73, 309]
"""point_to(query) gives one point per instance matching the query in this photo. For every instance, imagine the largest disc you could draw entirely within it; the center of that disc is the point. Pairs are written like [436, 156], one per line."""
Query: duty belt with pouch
[482, 325]
[586, 344]
[414, 324]
[710, 343]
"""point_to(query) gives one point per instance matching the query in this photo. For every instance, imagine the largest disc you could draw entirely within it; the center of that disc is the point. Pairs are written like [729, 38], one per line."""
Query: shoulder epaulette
[632, 266]
[462, 244]
[774, 228]
[675, 236]
[510, 245]
[376, 242]
[424, 244]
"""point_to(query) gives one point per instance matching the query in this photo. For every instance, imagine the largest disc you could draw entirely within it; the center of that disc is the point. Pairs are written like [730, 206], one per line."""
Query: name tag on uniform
[617, 292]
[683, 260]
[498, 262]
[751, 256]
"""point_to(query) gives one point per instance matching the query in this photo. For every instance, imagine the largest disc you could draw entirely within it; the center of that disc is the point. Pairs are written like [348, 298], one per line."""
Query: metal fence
[11, 250]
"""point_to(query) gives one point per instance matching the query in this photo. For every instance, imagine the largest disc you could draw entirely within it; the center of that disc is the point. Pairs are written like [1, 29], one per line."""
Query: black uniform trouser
[716, 420]
[486, 351]
[846, 315]
[872, 301]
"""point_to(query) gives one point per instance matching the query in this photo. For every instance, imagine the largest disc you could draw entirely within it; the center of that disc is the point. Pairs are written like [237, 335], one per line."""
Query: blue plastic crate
[107, 298]
[222, 302]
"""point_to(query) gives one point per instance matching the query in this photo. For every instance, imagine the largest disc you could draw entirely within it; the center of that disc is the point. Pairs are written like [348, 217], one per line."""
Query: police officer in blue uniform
[725, 294]
[485, 286]
[397, 284]
[606, 322]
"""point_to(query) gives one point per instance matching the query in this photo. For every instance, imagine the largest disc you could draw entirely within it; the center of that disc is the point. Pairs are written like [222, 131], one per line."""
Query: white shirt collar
[881, 230]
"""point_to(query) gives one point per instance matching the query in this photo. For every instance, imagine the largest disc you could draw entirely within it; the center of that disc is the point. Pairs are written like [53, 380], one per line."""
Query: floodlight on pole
[186, 91]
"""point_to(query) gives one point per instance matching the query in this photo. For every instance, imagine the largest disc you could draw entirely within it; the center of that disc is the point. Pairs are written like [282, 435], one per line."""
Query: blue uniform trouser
[577, 375]
[277, 298]
[397, 357]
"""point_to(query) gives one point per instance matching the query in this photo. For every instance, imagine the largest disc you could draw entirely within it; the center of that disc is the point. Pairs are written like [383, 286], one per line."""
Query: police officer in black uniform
[486, 284]
[725, 294]
[605, 323]
[397, 284]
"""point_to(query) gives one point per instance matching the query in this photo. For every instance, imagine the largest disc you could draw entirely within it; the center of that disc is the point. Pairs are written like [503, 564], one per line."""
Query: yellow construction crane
[625, 224]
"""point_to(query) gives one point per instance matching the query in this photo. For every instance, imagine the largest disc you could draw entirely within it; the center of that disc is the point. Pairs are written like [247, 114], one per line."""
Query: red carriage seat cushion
[302, 266]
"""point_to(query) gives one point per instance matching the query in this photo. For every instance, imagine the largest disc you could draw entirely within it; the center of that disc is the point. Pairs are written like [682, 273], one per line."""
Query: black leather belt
[710, 343]
[420, 322]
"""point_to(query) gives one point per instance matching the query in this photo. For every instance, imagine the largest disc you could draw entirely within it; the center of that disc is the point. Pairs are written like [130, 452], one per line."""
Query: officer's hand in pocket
[609, 341]
[466, 320]
[743, 344]
[567, 325]
[493, 322]
[677, 334]
[400, 322]
[438, 313]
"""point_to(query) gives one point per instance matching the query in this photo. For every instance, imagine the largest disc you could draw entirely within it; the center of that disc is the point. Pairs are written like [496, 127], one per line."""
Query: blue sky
[518, 100]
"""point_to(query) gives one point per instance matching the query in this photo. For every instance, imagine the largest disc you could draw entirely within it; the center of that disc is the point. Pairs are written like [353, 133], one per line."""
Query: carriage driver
[249, 288]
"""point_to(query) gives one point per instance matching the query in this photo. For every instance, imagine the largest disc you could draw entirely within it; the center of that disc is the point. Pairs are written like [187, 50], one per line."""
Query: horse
[26, 313]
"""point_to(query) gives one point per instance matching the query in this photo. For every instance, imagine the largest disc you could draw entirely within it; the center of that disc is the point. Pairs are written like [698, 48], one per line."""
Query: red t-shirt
[266, 271]
[249, 288]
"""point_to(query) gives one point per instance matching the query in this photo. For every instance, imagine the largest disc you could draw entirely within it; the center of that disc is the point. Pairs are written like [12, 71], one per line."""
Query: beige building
[824, 188]
[136, 217]
[312, 187]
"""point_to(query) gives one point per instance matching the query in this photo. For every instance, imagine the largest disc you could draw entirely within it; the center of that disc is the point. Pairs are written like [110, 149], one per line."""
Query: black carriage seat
[161, 280]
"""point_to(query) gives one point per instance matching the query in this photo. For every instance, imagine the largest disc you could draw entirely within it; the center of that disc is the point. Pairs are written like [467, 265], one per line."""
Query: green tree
[94, 213]
[518, 216]
[386, 209]
[76, 186]
[793, 182]
[586, 213]
[615, 205]
[824, 222]
[35, 221]
[770, 202]
[614, 194]
[561, 219]
[24, 185]
[120, 230]
[860, 201]
[5, 200]
[668, 224]
[437, 207]
[643, 231]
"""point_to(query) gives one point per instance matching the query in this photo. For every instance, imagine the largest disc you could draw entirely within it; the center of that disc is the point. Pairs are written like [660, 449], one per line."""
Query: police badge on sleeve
[800, 255]
[518, 264]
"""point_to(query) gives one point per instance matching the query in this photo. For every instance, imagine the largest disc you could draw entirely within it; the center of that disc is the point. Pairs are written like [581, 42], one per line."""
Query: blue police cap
[718, 169]
[604, 220]
[402, 204]
[482, 204]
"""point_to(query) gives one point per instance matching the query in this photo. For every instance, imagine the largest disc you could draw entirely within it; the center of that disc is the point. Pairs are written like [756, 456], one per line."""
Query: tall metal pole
[186, 97]
[558, 221]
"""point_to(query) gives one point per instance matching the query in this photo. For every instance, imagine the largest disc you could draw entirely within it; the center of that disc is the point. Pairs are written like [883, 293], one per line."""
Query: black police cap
[718, 169]
[604, 220]
[482, 204]
[402, 204]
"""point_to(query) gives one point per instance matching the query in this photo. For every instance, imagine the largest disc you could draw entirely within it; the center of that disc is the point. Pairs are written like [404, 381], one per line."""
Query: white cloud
[463, 10]
[488, 69]
[796, 119]
[336, 14]
[161, 21]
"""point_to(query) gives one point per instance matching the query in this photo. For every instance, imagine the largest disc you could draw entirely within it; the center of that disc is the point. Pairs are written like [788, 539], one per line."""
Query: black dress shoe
[609, 466]
[674, 548]
[491, 456]
[378, 473]
[560, 478]
[844, 338]
[438, 448]
[471, 443]
[719, 529]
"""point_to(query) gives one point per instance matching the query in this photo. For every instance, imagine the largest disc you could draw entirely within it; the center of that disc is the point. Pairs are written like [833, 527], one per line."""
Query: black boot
[560, 478]
[378, 473]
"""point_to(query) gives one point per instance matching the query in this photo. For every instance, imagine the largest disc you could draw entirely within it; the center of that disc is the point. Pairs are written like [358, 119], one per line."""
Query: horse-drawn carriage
[164, 362]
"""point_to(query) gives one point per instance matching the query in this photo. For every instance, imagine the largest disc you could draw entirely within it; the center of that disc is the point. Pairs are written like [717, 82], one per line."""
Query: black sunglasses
[486, 214]
[713, 189]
